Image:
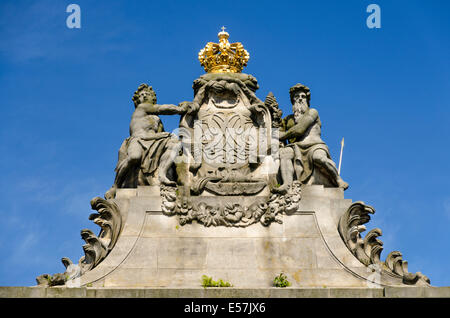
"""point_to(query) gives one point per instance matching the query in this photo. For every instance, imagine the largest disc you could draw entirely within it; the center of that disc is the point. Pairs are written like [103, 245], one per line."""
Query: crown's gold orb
[223, 57]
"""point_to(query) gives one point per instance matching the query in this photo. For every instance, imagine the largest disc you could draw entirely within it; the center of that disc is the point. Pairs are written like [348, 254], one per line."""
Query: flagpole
[340, 157]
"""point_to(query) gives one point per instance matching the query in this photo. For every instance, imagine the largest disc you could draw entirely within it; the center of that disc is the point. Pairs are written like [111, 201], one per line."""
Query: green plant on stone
[281, 281]
[224, 284]
[209, 282]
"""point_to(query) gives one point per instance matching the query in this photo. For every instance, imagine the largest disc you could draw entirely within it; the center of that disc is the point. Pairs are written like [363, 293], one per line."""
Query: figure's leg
[298, 164]
[320, 158]
[286, 168]
[133, 158]
[166, 161]
[111, 193]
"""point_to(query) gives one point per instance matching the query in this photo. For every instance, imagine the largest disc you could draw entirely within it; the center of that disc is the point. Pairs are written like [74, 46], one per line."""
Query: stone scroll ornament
[368, 249]
[230, 214]
[97, 247]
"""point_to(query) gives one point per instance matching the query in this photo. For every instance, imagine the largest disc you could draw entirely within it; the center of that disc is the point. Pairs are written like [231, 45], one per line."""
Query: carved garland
[96, 248]
[368, 250]
[230, 214]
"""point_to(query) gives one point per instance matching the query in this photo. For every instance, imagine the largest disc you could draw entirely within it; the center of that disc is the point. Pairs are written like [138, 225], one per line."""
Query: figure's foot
[111, 193]
[166, 181]
[281, 189]
[342, 184]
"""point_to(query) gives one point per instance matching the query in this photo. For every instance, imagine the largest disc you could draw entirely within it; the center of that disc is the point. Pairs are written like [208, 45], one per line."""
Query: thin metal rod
[340, 157]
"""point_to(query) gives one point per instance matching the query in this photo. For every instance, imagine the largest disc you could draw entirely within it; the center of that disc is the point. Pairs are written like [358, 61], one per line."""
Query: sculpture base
[153, 250]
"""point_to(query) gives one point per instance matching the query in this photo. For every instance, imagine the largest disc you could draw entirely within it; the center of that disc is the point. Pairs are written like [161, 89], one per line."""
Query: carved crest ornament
[230, 146]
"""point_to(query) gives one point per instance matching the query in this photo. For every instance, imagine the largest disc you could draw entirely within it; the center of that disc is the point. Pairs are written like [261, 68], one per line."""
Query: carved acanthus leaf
[97, 247]
[368, 250]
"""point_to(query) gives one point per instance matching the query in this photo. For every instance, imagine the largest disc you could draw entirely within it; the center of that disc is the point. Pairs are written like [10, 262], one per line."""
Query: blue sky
[66, 105]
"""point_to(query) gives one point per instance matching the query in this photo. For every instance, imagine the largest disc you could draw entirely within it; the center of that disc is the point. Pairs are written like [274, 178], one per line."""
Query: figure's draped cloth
[153, 149]
[303, 151]
[303, 156]
[152, 152]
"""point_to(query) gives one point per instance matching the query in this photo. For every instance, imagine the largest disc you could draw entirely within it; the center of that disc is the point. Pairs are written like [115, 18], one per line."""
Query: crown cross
[223, 57]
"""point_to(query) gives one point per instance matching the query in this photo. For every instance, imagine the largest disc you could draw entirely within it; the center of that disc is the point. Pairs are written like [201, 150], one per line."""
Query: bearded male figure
[149, 149]
[306, 150]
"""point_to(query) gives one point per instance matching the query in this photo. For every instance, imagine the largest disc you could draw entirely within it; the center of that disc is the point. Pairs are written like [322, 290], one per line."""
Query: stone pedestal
[153, 250]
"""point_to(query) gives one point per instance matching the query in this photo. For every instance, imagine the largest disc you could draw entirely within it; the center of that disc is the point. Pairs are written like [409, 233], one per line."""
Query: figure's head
[300, 96]
[144, 94]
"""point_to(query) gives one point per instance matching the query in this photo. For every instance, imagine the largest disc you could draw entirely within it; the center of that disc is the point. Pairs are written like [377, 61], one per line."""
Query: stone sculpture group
[227, 145]
[234, 161]
[237, 151]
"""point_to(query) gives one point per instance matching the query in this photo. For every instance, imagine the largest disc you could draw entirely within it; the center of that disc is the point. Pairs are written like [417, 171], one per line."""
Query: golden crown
[223, 57]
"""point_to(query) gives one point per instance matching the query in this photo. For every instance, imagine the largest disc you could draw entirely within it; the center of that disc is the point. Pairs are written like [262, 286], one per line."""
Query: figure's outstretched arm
[153, 136]
[170, 109]
[165, 109]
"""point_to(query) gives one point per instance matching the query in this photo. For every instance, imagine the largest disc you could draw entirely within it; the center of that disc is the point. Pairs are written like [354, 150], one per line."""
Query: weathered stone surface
[301, 225]
[119, 293]
[355, 292]
[64, 292]
[159, 225]
[125, 193]
[148, 191]
[143, 255]
[154, 250]
[183, 253]
[289, 292]
[135, 277]
[324, 257]
[23, 292]
[167, 254]
[234, 253]
[417, 292]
